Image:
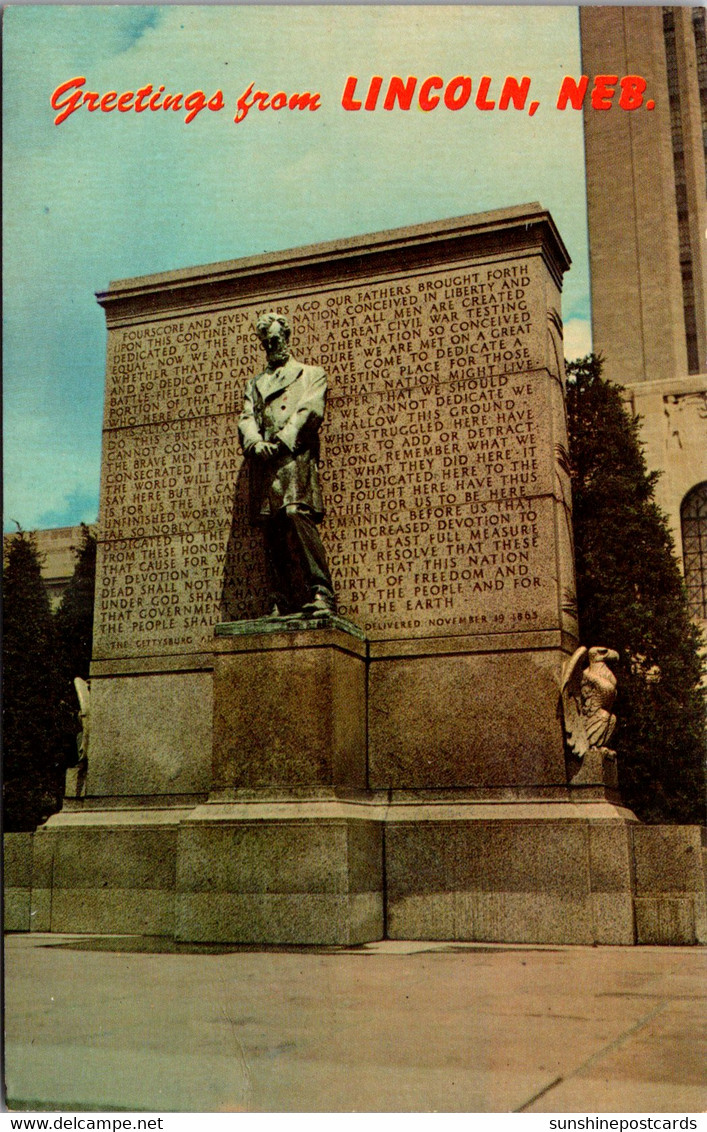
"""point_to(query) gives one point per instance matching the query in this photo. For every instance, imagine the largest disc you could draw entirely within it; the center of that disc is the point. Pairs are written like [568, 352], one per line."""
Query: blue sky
[109, 196]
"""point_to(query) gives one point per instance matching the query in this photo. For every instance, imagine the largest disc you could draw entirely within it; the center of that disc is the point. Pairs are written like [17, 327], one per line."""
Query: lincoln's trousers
[296, 559]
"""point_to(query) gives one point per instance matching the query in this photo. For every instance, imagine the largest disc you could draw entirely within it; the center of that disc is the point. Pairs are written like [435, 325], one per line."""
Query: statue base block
[289, 704]
[103, 870]
[510, 872]
[280, 871]
[332, 870]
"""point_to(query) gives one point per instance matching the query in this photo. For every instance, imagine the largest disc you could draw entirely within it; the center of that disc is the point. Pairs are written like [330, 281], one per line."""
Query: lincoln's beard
[277, 354]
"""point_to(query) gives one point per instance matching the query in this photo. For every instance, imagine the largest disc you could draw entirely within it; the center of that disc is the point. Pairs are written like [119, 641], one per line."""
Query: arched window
[693, 516]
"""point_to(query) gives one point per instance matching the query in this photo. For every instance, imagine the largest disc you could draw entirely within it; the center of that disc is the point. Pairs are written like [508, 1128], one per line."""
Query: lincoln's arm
[248, 429]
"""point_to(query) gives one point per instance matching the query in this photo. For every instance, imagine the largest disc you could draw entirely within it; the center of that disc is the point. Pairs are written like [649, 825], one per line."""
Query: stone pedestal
[281, 871]
[333, 871]
[510, 872]
[287, 850]
[289, 704]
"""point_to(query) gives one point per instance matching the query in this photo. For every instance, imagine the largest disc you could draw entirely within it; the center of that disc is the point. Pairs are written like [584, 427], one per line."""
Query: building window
[693, 517]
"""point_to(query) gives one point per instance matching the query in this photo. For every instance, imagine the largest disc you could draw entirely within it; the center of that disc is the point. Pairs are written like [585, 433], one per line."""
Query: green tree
[33, 769]
[631, 597]
[73, 623]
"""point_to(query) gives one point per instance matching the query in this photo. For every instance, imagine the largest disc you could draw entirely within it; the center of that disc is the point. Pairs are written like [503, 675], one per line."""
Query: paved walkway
[106, 1023]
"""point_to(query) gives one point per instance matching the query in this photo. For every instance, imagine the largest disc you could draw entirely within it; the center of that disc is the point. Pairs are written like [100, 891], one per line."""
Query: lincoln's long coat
[286, 405]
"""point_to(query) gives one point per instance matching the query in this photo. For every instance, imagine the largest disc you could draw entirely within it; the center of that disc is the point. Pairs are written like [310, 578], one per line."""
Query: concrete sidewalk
[106, 1023]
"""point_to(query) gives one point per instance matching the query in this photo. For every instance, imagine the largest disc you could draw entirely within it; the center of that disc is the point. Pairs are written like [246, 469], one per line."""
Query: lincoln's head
[273, 330]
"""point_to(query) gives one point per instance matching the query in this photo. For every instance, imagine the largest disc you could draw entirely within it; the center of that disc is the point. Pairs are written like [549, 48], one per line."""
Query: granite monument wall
[448, 524]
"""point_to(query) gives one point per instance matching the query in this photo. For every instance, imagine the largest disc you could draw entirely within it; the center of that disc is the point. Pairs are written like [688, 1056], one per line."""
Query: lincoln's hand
[265, 449]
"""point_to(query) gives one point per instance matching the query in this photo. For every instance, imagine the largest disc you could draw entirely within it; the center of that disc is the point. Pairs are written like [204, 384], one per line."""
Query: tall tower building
[647, 219]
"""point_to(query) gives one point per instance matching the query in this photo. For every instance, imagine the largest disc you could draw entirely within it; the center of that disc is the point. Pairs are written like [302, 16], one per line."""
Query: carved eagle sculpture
[588, 694]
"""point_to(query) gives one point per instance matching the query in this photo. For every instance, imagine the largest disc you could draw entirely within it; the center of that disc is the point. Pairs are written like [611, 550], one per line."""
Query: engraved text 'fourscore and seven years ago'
[433, 466]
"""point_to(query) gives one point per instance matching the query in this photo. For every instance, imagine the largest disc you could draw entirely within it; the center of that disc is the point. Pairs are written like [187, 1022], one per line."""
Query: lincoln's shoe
[320, 604]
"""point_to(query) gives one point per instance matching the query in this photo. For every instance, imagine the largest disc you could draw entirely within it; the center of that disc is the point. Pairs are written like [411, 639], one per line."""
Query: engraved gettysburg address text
[436, 463]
